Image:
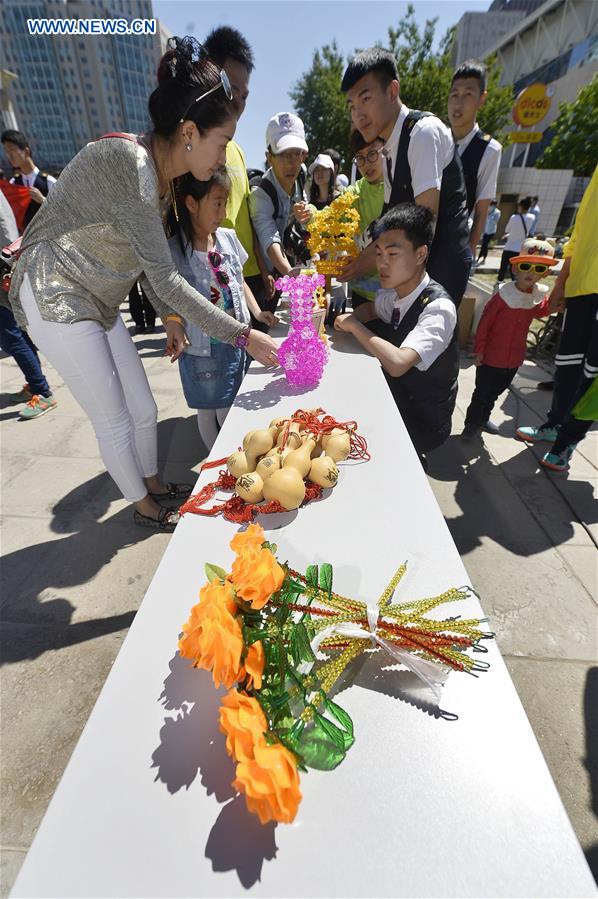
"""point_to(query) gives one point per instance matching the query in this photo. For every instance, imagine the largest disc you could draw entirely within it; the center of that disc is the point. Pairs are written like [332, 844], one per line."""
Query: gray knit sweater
[98, 231]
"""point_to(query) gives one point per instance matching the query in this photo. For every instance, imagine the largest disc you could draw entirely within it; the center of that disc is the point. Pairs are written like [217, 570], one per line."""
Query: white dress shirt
[29, 179]
[435, 325]
[430, 150]
[516, 233]
[489, 164]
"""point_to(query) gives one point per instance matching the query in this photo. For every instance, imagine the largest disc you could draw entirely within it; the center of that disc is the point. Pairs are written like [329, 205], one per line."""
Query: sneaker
[532, 434]
[491, 428]
[38, 405]
[470, 433]
[558, 461]
[23, 396]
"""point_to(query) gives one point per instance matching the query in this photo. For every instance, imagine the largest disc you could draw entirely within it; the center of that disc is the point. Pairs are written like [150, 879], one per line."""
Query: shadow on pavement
[35, 618]
[590, 707]
[501, 502]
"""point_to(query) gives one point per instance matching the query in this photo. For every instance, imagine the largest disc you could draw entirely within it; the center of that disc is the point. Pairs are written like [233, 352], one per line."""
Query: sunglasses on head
[538, 267]
[224, 83]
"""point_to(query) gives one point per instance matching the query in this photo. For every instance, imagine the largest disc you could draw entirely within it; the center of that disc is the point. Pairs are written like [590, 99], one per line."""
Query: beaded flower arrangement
[279, 640]
[332, 233]
[303, 354]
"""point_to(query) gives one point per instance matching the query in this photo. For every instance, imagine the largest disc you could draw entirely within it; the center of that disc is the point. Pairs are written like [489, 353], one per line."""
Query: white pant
[209, 422]
[104, 373]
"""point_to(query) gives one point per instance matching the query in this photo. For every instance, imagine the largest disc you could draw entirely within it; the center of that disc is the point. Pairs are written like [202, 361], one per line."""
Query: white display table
[427, 803]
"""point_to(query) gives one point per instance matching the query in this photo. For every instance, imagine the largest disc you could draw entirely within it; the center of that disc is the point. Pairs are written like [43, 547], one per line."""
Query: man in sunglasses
[501, 338]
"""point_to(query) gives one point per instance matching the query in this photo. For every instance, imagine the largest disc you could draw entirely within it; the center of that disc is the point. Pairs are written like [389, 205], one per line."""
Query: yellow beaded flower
[332, 231]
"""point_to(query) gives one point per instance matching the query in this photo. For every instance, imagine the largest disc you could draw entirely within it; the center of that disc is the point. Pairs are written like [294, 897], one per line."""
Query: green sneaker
[23, 396]
[38, 405]
[532, 434]
[558, 461]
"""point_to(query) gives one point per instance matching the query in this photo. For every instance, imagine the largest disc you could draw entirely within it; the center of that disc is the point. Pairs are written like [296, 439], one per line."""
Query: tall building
[72, 88]
[556, 45]
[477, 31]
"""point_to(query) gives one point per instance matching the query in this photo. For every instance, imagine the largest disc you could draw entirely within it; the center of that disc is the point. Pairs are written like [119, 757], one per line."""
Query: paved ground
[75, 570]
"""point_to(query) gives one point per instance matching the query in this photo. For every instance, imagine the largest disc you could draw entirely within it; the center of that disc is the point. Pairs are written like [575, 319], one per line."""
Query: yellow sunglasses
[538, 267]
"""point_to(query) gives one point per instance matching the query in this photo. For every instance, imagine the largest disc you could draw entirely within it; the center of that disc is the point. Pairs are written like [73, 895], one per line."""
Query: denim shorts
[212, 382]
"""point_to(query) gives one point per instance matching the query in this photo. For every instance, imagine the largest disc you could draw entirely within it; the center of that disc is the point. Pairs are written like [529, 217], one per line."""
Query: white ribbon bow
[432, 674]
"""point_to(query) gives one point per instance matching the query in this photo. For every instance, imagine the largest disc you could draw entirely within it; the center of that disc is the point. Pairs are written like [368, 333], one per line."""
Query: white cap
[323, 160]
[342, 179]
[285, 131]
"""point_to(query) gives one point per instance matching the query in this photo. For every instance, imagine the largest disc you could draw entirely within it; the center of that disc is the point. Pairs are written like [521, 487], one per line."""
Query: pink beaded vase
[303, 354]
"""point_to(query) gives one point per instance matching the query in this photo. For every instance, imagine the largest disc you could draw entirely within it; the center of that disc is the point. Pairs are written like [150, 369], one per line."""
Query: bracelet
[242, 339]
[174, 318]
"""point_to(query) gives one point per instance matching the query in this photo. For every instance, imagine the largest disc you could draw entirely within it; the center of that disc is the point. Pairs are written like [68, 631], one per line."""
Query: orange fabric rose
[244, 723]
[257, 575]
[254, 664]
[250, 539]
[212, 636]
[271, 783]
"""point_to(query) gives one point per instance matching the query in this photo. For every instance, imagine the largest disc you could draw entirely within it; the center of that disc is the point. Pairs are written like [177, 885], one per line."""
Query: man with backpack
[278, 204]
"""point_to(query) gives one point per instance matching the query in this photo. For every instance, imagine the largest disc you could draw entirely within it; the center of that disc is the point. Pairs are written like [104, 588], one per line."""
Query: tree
[575, 141]
[319, 102]
[425, 76]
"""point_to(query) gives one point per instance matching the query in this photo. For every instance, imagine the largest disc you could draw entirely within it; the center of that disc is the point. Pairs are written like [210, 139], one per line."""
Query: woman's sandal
[174, 491]
[167, 520]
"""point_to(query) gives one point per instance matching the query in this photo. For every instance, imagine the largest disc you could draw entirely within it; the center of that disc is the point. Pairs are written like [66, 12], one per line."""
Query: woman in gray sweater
[101, 229]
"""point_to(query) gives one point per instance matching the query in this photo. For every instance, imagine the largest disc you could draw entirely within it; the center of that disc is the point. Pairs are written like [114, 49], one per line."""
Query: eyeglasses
[538, 267]
[224, 83]
[370, 156]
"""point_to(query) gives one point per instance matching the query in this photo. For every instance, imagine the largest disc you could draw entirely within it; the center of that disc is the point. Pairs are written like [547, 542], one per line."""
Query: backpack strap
[269, 189]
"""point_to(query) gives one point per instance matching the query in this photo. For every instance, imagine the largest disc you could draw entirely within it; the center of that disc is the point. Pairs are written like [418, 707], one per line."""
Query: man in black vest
[421, 164]
[479, 152]
[414, 324]
[18, 152]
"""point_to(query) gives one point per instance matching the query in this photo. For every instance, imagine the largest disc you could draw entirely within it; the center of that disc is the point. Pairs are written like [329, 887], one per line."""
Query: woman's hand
[176, 339]
[267, 318]
[478, 359]
[556, 300]
[262, 348]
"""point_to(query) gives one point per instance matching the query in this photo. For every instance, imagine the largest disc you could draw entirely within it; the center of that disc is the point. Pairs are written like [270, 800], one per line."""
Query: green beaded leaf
[214, 572]
[326, 578]
[321, 744]
[311, 575]
[343, 719]
[302, 641]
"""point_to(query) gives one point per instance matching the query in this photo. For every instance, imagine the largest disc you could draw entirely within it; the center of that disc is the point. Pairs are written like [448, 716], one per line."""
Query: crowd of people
[169, 218]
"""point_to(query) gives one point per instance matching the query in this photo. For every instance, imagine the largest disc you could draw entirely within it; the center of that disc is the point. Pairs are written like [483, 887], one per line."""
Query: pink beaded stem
[303, 354]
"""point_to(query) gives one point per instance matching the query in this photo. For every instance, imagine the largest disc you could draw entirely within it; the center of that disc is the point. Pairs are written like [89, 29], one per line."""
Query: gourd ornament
[250, 487]
[324, 472]
[256, 444]
[300, 459]
[237, 464]
[268, 465]
[287, 487]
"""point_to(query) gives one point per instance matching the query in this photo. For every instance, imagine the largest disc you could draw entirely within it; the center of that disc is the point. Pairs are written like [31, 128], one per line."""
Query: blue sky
[284, 34]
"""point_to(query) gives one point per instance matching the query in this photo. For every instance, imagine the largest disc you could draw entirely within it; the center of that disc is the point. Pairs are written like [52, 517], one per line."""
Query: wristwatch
[242, 339]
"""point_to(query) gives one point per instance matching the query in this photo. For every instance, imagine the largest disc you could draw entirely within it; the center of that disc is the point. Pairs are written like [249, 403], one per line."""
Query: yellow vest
[583, 246]
[237, 207]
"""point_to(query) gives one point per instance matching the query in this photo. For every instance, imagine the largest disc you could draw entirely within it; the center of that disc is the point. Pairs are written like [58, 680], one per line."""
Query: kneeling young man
[413, 327]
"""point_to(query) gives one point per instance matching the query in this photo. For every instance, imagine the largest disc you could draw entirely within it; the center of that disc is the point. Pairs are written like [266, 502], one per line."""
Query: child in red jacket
[500, 341]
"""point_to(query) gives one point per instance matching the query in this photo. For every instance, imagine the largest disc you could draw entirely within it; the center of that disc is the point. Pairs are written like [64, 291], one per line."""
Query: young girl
[500, 340]
[211, 259]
